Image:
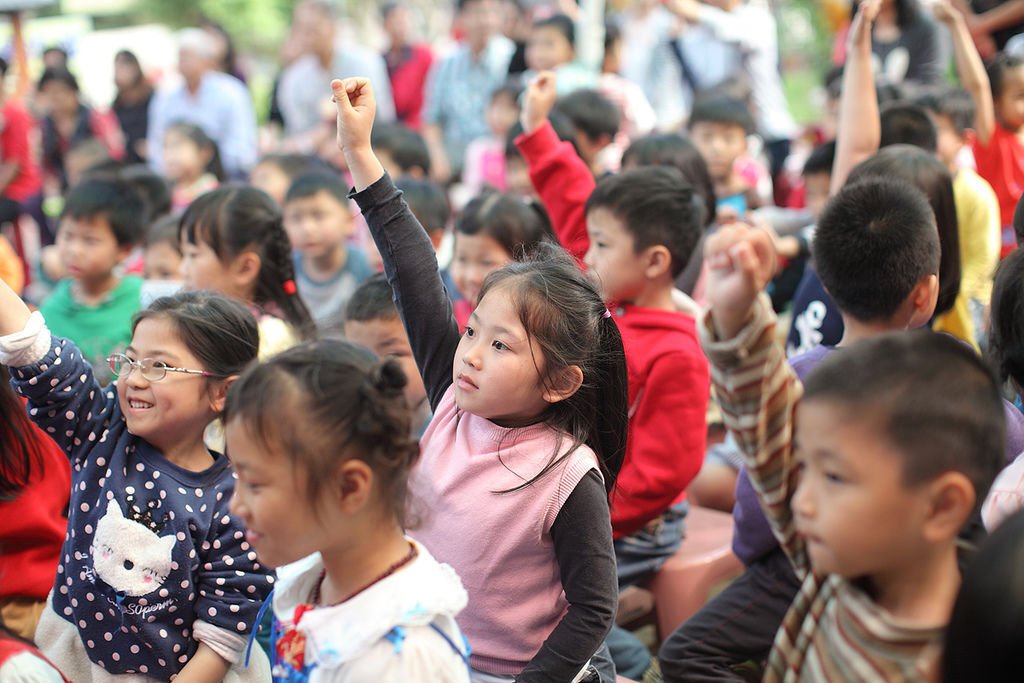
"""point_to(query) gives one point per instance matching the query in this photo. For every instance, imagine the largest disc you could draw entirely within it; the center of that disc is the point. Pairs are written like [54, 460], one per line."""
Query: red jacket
[408, 78]
[669, 379]
[33, 525]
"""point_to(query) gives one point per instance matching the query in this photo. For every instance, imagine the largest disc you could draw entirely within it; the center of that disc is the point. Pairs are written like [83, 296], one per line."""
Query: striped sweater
[833, 631]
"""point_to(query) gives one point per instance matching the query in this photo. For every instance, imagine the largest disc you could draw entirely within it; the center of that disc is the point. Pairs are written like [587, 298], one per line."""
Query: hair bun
[388, 378]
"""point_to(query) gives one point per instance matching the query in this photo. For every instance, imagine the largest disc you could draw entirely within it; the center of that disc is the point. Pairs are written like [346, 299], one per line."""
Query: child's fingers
[340, 90]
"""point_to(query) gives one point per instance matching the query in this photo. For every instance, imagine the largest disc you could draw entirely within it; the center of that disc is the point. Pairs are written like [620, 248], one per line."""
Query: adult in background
[68, 121]
[408, 65]
[216, 102]
[131, 104]
[304, 92]
[461, 85]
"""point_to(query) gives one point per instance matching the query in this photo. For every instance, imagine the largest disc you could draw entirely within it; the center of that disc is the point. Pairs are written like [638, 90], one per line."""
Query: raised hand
[741, 261]
[945, 12]
[356, 106]
[860, 29]
[538, 101]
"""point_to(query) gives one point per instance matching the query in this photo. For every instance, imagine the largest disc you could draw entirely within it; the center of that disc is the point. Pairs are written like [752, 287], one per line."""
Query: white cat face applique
[128, 555]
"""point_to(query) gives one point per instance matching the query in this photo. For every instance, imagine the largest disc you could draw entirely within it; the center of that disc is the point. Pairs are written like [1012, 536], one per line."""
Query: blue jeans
[640, 556]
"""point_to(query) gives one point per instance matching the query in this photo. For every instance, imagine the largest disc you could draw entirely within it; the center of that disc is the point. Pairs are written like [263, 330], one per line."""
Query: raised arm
[13, 311]
[970, 70]
[408, 255]
[561, 178]
[860, 130]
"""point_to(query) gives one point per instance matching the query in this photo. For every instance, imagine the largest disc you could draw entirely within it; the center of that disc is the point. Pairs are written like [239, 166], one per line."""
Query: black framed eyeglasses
[152, 370]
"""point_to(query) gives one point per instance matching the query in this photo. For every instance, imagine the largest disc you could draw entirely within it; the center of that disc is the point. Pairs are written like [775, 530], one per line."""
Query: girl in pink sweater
[528, 434]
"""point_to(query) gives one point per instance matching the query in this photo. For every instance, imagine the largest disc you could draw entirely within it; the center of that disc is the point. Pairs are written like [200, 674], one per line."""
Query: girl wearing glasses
[155, 579]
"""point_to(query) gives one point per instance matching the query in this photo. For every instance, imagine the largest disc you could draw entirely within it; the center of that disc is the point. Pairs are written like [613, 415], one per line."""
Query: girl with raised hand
[155, 579]
[529, 432]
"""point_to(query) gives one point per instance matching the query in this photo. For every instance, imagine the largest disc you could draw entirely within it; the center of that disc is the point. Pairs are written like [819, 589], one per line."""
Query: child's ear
[567, 383]
[951, 501]
[246, 269]
[922, 300]
[658, 261]
[354, 482]
[218, 392]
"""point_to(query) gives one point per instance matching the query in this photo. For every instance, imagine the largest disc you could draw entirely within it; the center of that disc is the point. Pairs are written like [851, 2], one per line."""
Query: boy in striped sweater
[866, 473]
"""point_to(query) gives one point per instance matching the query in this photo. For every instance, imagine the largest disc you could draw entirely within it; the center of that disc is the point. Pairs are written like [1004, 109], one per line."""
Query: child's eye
[834, 478]
[469, 332]
[500, 346]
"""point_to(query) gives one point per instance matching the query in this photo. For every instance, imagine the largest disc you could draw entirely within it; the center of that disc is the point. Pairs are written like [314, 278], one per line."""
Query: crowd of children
[419, 406]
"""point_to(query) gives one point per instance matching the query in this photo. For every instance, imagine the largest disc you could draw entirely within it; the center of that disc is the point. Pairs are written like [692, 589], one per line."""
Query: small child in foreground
[866, 480]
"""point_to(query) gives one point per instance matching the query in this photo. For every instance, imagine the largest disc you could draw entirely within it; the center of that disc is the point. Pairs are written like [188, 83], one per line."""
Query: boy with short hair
[596, 120]
[429, 205]
[719, 127]
[319, 223]
[635, 232]
[93, 306]
[371, 320]
[891, 465]
[401, 150]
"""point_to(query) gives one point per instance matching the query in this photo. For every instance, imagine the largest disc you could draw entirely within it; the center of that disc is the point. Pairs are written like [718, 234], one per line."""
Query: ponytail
[237, 218]
[19, 452]
[610, 399]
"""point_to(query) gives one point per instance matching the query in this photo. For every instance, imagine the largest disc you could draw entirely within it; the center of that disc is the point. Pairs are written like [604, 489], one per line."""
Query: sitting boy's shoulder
[650, 333]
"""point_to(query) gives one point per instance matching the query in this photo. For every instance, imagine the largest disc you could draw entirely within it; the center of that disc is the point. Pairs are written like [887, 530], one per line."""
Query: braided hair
[324, 402]
[239, 218]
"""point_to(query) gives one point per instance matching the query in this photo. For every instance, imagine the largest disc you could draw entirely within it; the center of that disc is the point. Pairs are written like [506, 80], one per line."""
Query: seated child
[403, 151]
[485, 157]
[234, 243]
[429, 204]
[155, 579]
[596, 120]
[275, 173]
[94, 304]
[998, 120]
[327, 268]
[319, 437]
[162, 261]
[889, 468]
[371, 320]
[635, 232]
[983, 641]
[719, 127]
[191, 163]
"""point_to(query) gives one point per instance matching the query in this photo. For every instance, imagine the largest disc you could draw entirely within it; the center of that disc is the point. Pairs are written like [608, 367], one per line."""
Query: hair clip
[289, 287]
[606, 314]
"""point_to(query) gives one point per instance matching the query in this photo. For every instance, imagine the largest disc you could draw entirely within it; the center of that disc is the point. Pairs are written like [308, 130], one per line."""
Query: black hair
[724, 110]
[325, 402]
[564, 314]
[520, 228]
[229, 65]
[164, 231]
[1006, 337]
[933, 399]
[821, 159]
[510, 89]
[985, 635]
[56, 49]
[903, 123]
[292, 165]
[561, 23]
[216, 329]
[427, 201]
[954, 103]
[875, 240]
[131, 58]
[656, 207]
[204, 142]
[58, 75]
[925, 172]
[110, 199]
[151, 187]
[240, 218]
[591, 113]
[562, 126]
[315, 182]
[21, 455]
[372, 300]
[907, 12]
[997, 69]
[1018, 221]
[833, 82]
[675, 151]
[612, 35]
[3, 67]
[387, 8]
[404, 145]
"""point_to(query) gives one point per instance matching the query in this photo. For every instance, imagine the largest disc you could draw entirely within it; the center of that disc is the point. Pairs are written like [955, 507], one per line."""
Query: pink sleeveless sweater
[499, 543]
